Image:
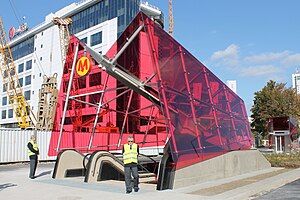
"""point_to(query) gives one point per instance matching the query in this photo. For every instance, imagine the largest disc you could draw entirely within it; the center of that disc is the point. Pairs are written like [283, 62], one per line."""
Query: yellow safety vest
[35, 147]
[130, 155]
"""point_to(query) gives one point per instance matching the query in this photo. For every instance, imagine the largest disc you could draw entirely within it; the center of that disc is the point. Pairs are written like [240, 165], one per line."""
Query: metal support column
[67, 97]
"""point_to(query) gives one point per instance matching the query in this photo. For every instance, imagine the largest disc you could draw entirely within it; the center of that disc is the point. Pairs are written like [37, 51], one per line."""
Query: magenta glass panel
[208, 119]
[198, 114]
[80, 117]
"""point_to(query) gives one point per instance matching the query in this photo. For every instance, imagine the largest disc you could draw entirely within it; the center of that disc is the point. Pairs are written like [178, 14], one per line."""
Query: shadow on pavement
[6, 185]
[44, 173]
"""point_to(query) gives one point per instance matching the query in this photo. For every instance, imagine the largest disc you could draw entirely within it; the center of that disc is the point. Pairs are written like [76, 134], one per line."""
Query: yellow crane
[48, 92]
[11, 82]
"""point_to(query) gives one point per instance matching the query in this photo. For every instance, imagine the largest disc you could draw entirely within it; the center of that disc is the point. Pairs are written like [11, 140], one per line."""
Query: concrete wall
[227, 165]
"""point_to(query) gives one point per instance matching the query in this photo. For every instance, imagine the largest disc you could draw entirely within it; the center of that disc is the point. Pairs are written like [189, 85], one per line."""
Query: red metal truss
[187, 105]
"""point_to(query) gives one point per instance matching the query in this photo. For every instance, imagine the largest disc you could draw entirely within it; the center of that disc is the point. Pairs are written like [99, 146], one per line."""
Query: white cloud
[230, 52]
[291, 60]
[260, 70]
[229, 56]
[268, 65]
[266, 57]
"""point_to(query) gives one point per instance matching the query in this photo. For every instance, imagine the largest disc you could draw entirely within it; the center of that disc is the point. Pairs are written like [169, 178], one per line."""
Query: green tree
[274, 100]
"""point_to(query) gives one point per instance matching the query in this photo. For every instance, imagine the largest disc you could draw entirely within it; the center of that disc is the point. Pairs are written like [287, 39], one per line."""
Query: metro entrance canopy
[154, 89]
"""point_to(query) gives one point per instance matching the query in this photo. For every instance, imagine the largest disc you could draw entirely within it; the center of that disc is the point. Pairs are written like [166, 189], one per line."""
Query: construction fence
[13, 145]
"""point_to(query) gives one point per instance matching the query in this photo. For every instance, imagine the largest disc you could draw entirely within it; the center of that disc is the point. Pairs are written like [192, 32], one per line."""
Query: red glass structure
[171, 98]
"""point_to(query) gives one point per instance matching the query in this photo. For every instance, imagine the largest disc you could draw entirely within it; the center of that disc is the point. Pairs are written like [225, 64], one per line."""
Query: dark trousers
[131, 169]
[33, 165]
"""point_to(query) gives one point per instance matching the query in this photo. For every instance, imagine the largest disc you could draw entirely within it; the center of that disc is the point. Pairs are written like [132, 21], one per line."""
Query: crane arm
[11, 82]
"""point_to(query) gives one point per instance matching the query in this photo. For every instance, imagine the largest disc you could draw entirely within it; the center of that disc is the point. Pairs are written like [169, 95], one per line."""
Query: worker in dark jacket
[33, 152]
[130, 159]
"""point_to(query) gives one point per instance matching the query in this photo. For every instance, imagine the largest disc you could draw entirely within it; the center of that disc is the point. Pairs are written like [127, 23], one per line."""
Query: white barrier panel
[13, 145]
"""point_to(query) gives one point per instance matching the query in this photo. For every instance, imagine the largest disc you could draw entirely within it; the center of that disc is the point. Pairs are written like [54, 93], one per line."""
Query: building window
[41, 46]
[10, 113]
[28, 64]
[28, 80]
[102, 11]
[41, 58]
[3, 114]
[95, 79]
[94, 98]
[21, 68]
[4, 101]
[23, 49]
[84, 40]
[12, 72]
[82, 82]
[27, 95]
[96, 38]
[4, 87]
[5, 74]
[21, 82]
[121, 20]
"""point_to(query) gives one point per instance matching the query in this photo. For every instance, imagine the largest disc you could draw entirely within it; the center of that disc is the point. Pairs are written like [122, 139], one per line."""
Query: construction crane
[48, 93]
[64, 35]
[171, 22]
[11, 83]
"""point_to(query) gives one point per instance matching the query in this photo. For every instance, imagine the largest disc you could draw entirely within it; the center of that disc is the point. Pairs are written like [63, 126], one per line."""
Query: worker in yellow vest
[130, 159]
[33, 152]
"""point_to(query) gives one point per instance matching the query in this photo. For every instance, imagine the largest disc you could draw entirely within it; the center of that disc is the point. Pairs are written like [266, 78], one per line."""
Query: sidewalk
[15, 185]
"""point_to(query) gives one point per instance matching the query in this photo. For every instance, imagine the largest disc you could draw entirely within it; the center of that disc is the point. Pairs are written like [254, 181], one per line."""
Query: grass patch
[284, 160]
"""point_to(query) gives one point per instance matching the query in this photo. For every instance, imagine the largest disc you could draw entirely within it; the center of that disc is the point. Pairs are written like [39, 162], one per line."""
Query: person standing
[130, 159]
[33, 152]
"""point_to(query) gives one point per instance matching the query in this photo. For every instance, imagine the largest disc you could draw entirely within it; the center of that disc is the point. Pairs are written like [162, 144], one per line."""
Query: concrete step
[145, 175]
[148, 180]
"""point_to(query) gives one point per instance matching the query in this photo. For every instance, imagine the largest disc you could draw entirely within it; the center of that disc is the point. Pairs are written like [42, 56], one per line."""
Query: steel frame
[179, 100]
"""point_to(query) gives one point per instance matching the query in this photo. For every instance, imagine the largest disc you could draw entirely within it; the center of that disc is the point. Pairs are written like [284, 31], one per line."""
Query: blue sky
[250, 41]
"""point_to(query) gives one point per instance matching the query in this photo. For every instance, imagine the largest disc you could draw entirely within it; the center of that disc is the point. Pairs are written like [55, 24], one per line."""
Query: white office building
[296, 81]
[231, 84]
[36, 52]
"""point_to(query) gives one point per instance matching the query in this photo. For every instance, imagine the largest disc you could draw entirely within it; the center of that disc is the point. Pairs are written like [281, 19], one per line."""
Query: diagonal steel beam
[123, 75]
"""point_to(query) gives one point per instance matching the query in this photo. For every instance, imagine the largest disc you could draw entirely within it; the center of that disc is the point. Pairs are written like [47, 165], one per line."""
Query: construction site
[120, 75]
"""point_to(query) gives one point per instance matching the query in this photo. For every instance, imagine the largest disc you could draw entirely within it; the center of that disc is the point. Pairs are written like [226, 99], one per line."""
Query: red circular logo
[11, 33]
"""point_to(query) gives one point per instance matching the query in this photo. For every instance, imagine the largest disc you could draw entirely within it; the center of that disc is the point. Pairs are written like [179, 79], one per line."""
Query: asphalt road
[290, 191]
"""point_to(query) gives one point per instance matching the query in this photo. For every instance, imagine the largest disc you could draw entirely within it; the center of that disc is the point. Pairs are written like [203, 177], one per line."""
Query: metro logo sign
[83, 66]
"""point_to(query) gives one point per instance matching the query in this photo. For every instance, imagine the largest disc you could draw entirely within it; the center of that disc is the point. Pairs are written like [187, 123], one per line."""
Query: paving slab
[15, 185]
